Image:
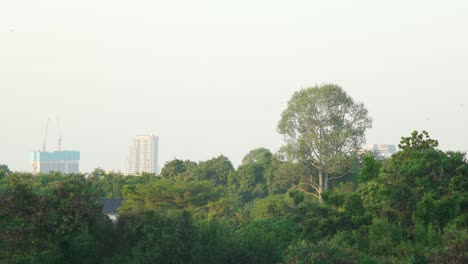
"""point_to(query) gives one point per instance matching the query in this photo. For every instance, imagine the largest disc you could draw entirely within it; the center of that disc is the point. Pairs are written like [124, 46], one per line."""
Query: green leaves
[370, 168]
[51, 223]
[177, 168]
[162, 195]
[259, 155]
[215, 170]
[323, 126]
[418, 141]
[4, 170]
[410, 208]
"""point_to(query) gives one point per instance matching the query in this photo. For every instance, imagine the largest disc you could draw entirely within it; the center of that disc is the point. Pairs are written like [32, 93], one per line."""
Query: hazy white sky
[212, 77]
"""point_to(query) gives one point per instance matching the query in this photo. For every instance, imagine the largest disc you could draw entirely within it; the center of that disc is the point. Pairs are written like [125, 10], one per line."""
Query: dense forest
[410, 208]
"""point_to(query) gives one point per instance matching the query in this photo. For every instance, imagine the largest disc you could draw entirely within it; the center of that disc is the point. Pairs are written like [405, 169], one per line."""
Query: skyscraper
[59, 161]
[143, 155]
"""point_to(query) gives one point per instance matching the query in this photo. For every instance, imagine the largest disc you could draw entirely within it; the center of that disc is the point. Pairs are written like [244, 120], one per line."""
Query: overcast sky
[212, 77]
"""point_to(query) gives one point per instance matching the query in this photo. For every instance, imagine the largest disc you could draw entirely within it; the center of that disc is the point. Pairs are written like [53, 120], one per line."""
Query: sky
[212, 77]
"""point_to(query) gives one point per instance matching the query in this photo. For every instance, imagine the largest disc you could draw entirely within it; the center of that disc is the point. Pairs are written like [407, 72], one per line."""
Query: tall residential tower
[143, 155]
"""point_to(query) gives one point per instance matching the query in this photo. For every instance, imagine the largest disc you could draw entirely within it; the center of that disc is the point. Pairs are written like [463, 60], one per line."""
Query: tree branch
[302, 190]
[338, 177]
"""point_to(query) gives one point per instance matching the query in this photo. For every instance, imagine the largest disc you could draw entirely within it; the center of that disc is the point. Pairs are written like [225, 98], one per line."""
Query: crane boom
[60, 135]
[45, 136]
[46, 133]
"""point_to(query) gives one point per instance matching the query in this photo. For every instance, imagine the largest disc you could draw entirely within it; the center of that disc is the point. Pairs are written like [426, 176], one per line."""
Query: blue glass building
[59, 161]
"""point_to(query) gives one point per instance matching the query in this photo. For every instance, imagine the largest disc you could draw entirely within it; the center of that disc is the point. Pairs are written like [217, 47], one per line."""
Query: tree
[419, 182]
[215, 170]
[323, 127]
[176, 168]
[259, 155]
[154, 237]
[56, 223]
[4, 170]
[265, 240]
[282, 175]
[370, 168]
[165, 195]
[249, 182]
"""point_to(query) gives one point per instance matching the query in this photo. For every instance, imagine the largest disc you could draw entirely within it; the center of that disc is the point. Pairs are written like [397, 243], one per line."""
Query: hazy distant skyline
[212, 77]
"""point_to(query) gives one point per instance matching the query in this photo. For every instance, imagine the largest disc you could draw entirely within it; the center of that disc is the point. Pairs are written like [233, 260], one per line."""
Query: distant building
[59, 161]
[383, 150]
[110, 207]
[143, 155]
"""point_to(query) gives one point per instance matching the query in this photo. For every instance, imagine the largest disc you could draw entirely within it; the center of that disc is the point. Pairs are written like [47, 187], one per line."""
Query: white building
[143, 155]
[383, 150]
[59, 161]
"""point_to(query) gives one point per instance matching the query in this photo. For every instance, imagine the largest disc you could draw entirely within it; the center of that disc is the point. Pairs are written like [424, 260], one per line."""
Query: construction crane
[59, 135]
[46, 133]
[45, 136]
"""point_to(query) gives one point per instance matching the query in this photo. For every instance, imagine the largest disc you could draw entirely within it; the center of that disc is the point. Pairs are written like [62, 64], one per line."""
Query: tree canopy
[323, 126]
[409, 208]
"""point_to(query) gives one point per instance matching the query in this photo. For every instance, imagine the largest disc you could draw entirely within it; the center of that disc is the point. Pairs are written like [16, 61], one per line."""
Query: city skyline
[125, 169]
[213, 78]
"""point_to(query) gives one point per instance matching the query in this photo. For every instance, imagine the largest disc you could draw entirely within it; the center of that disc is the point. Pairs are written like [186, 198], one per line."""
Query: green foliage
[438, 212]
[272, 207]
[323, 127]
[263, 241]
[177, 168]
[216, 243]
[259, 155]
[249, 182]
[370, 168]
[297, 196]
[215, 170]
[410, 208]
[383, 236]
[316, 221]
[151, 237]
[162, 195]
[4, 170]
[453, 250]
[54, 224]
[327, 251]
[111, 185]
[280, 176]
[222, 209]
[418, 141]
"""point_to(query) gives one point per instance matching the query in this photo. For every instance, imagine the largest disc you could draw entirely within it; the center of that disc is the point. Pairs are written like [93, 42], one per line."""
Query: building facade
[143, 155]
[383, 150]
[59, 161]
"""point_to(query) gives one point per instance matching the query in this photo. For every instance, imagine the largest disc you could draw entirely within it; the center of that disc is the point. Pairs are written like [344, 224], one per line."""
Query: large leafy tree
[177, 167]
[323, 126]
[215, 170]
[258, 155]
[165, 195]
[249, 182]
[282, 175]
[59, 222]
[417, 183]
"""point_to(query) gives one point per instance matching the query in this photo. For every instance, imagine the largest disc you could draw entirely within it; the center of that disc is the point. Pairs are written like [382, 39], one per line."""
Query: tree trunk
[323, 182]
[320, 187]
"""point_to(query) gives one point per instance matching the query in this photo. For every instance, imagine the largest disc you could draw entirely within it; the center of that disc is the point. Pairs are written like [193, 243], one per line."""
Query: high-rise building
[59, 161]
[383, 150]
[143, 155]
